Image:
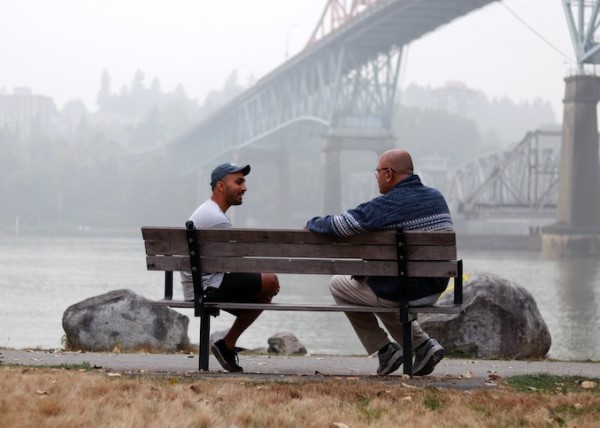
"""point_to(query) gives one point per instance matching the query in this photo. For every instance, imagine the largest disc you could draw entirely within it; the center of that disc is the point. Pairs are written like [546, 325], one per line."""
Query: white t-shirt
[207, 216]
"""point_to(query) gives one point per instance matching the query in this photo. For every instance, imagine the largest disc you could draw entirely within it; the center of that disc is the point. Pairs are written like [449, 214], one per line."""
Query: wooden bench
[385, 253]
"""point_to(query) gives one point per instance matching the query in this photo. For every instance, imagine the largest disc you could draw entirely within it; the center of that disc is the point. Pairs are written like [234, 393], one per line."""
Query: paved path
[453, 373]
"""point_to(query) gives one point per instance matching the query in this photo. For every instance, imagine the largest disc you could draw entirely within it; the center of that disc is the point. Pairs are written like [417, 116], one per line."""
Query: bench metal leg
[204, 342]
[407, 347]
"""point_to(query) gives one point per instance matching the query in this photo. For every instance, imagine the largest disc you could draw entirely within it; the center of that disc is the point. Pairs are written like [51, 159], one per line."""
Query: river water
[41, 277]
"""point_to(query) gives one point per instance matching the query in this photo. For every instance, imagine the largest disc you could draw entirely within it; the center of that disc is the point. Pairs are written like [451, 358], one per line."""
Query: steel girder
[583, 25]
[521, 181]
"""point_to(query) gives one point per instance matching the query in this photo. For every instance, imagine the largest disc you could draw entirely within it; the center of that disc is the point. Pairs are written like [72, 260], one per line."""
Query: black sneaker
[390, 360]
[427, 356]
[227, 358]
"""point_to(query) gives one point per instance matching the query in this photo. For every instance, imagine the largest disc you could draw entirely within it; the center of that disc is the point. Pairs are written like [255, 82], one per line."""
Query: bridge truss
[522, 182]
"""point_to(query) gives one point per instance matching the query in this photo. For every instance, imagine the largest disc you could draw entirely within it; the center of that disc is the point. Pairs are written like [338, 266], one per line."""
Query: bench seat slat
[307, 307]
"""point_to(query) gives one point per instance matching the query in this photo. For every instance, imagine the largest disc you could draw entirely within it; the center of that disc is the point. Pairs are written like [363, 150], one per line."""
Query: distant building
[22, 111]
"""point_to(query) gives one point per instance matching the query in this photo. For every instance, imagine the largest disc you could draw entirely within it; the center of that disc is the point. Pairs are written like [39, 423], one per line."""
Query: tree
[104, 95]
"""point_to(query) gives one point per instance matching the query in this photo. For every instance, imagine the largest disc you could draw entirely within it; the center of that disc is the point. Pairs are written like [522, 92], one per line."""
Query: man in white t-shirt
[228, 185]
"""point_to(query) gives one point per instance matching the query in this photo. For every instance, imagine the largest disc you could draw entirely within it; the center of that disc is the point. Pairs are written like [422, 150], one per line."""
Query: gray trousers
[348, 291]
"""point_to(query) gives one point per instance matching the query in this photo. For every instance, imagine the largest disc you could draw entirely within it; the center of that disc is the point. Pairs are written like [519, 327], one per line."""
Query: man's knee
[269, 285]
[337, 283]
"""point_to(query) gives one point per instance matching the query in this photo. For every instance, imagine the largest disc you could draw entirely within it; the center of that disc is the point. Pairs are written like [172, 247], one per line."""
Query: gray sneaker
[390, 360]
[427, 356]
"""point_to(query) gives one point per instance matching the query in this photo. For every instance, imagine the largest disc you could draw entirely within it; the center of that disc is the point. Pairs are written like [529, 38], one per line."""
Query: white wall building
[22, 111]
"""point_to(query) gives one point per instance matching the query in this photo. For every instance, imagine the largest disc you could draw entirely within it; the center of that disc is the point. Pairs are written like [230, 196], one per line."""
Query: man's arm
[339, 225]
[355, 221]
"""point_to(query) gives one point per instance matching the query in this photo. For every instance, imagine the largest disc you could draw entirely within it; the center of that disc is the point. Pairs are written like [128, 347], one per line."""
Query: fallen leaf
[339, 425]
[406, 385]
[40, 392]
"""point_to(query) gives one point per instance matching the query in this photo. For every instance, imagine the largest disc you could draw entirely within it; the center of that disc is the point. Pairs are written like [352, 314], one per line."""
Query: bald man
[404, 202]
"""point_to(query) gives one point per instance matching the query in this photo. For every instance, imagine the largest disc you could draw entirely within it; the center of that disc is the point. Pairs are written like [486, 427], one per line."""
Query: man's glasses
[378, 170]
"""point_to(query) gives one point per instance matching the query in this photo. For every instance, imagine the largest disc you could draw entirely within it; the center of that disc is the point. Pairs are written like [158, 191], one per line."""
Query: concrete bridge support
[332, 146]
[577, 229]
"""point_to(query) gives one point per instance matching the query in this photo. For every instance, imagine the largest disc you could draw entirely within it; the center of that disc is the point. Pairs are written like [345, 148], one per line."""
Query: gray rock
[500, 320]
[124, 320]
[284, 342]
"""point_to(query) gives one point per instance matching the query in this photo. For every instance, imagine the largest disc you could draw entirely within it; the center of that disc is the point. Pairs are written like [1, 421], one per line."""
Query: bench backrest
[426, 254]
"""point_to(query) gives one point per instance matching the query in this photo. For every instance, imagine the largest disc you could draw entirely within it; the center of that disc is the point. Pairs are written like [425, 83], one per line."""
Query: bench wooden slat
[307, 307]
[305, 266]
[167, 248]
[371, 252]
[388, 237]
[315, 251]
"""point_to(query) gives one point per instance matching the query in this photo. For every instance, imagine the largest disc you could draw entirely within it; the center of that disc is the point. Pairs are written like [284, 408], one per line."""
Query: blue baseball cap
[224, 169]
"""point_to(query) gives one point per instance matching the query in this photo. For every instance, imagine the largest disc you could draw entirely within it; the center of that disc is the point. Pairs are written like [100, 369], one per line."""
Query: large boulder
[125, 321]
[500, 320]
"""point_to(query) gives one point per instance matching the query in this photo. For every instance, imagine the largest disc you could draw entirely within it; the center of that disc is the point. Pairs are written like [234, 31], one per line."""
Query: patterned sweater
[410, 205]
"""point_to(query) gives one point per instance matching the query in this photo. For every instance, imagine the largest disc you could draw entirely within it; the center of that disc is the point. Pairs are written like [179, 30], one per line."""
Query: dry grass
[82, 398]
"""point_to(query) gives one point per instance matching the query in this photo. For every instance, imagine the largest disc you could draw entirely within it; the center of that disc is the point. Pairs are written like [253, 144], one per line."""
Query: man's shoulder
[208, 215]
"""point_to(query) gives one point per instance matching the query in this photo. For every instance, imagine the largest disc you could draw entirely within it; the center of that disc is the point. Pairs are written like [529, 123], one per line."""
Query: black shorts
[237, 287]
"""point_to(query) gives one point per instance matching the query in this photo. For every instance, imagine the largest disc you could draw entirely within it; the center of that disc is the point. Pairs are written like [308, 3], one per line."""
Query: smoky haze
[124, 80]
[104, 86]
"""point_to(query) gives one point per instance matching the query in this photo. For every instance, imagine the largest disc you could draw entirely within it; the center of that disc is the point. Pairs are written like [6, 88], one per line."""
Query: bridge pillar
[577, 228]
[333, 144]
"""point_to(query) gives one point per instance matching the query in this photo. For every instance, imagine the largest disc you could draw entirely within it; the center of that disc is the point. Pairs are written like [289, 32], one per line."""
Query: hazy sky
[59, 48]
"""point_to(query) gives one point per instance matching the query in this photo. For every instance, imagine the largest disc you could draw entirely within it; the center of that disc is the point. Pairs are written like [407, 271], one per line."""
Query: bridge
[339, 90]
[518, 183]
